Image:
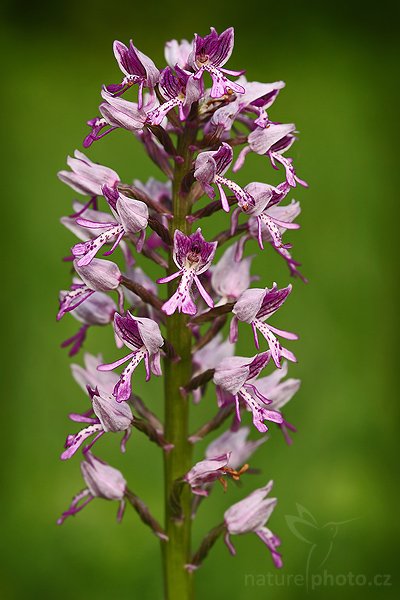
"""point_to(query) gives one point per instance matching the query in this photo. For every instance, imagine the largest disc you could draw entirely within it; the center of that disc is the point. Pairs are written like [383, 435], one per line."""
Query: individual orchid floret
[155, 151]
[249, 516]
[280, 393]
[102, 481]
[98, 309]
[210, 168]
[259, 97]
[122, 113]
[272, 141]
[209, 470]
[235, 443]
[88, 376]
[179, 89]
[99, 276]
[209, 54]
[205, 472]
[115, 113]
[230, 278]
[137, 68]
[208, 357]
[193, 256]
[144, 338]
[87, 177]
[256, 99]
[108, 415]
[131, 217]
[177, 53]
[255, 306]
[159, 191]
[137, 275]
[264, 209]
[235, 376]
[89, 214]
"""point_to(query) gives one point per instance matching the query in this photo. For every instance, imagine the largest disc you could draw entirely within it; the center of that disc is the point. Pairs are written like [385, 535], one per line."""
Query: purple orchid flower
[209, 357]
[177, 53]
[236, 444]
[249, 516]
[179, 89]
[87, 177]
[89, 214]
[116, 113]
[137, 275]
[137, 68]
[193, 256]
[102, 481]
[131, 216]
[272, 140]
[106, 415]
[264, 208]
[235, 376]
[210, 168]
[282, 216]
[256, 99]
[209, 54]
[205, 472]
[98, 309]
[99, 276]
[88, 376]
[255, 306]
[259, 97]
[255, 228]
[159, 191]
[280, 393]
[144, 338]
[231, 278]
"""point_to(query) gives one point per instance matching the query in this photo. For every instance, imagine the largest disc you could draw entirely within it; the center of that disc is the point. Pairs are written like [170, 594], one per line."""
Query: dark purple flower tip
[273, 300]
[213, 48]
[126, 327]
[193, 249]
[111, 195]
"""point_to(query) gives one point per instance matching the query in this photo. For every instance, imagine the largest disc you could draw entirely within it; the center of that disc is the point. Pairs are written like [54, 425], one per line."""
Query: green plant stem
[177, 551]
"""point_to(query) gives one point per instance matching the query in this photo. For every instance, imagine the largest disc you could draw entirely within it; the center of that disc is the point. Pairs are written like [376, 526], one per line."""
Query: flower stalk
[178, 581]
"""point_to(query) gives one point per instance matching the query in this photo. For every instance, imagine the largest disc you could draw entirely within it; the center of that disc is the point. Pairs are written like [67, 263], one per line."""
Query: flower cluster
[190, 118]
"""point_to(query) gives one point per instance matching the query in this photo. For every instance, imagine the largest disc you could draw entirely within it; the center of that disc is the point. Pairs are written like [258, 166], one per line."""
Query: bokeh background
[339, 60]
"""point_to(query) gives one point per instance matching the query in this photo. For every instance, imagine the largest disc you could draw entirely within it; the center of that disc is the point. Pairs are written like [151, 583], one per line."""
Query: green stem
[177, 551]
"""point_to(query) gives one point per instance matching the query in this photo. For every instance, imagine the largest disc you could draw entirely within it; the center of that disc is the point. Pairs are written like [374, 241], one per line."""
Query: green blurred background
[340, 63]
